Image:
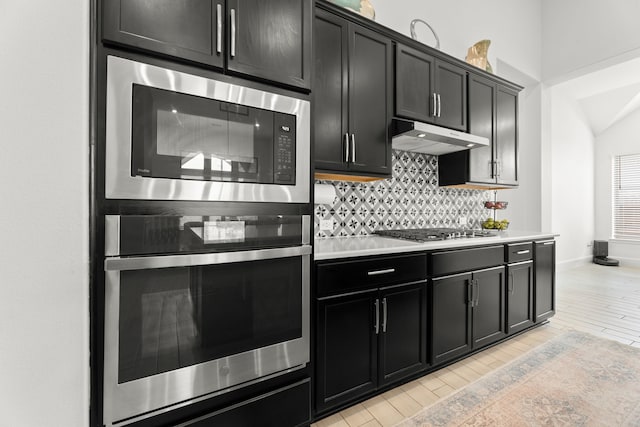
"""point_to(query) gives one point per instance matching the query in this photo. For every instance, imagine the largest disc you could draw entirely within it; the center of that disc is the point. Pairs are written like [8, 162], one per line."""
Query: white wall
[513, 26]
[44, 333]
[515, 54]
[572, 177]
[580, 35]
[619, 139]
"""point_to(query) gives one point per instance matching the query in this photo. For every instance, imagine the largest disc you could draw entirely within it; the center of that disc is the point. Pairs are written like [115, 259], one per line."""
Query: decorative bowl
[495, 205]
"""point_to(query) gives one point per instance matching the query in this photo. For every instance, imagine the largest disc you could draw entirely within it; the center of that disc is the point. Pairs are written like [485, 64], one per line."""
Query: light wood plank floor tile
[357, 415]
[420, 393]
[383, 411]
[402, 401]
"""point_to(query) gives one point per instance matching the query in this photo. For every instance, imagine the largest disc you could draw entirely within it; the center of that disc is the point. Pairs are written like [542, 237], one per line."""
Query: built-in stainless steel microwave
[177, 136]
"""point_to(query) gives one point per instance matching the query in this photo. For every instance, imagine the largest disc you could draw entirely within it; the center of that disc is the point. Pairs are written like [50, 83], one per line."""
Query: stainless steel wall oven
[199, 305]
[177, 136]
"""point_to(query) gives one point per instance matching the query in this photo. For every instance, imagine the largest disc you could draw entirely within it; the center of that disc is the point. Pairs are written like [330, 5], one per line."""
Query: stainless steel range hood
[430, 139]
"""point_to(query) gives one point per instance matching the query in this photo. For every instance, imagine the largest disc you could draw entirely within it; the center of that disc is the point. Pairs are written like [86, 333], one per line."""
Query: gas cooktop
[433, 234]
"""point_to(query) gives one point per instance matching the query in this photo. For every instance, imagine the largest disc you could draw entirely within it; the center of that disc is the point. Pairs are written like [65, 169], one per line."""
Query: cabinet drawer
[288, 406]
[339, 277]
[516, 252]
[449, 262]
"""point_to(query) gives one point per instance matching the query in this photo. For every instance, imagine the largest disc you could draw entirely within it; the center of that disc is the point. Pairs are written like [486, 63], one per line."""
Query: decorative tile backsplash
[410, 199]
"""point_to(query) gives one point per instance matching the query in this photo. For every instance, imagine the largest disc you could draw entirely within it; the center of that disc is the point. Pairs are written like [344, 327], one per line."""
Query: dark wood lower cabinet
[519, 296]
[488, 314]
[347, 348]
[403, 337]
[380, 321]
[467, 312]
[450, 323]
[545, 280]
[369, 339]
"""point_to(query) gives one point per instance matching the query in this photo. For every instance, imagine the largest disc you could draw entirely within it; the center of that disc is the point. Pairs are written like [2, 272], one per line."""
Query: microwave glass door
[182, 136]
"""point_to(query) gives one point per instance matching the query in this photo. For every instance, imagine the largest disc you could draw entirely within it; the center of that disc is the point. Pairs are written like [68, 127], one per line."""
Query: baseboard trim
[572, 263]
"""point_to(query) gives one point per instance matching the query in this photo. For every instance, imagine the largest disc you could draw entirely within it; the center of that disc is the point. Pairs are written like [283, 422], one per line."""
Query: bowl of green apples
[495, 224]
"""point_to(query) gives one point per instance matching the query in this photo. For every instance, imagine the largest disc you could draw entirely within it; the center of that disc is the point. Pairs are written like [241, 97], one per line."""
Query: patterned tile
[410, 199]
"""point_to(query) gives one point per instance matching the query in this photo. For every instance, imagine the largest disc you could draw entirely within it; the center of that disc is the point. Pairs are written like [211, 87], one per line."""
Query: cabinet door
[450, 324]
[271, 40]
[370, 83]
[545, 280]
[414, 84]
[185, 29]
[482, 100]
[506, 139]
[403, 334]
[488, 306]
[346, 348]
[330, 92]
[451, 88]
[519, 296]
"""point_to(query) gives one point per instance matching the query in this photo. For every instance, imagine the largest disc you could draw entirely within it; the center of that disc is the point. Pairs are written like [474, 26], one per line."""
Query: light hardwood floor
[604, 301]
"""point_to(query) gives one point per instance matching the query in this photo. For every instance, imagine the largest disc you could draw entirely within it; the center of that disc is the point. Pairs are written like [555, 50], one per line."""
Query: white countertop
[345, 247]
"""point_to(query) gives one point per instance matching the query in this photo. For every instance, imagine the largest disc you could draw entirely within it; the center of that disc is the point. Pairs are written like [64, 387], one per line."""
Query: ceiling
[608, 95]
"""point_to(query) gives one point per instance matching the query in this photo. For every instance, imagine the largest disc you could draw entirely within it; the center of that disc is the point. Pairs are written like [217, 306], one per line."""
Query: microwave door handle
[165, 261]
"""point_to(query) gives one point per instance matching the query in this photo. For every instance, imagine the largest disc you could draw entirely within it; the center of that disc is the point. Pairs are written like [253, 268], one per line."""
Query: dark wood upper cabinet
[266, 40]
[429, 89]
[352, 98]
[493, 113]
[272, 40]
[506, 136]
[185, 29]
[482, 119]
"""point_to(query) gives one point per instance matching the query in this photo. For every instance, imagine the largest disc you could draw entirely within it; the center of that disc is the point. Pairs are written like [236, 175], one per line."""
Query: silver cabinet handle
[384, 314]
[439, 106]
[353, 147]
[548, 243]
[378, 272]
[377, 326]
[233, 33]
[526, 251]
[435, 105]
[498, 169]
[470, 292]
[346, 148]
[512, 288]
[219, 28]
[477, 301]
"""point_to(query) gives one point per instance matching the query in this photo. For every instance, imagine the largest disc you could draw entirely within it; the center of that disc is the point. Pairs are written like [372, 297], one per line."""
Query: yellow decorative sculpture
[363, 7]
[366, 9]
[477, 55]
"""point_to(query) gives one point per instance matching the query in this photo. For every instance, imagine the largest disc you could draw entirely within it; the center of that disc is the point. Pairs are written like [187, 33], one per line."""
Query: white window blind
[626, 197]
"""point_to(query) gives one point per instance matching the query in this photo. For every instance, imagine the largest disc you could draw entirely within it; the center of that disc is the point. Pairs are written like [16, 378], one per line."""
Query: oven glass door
[176, 317]
[179, 327]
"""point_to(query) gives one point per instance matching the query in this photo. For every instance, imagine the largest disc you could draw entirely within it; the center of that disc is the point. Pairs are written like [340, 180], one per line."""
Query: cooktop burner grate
[432, 234]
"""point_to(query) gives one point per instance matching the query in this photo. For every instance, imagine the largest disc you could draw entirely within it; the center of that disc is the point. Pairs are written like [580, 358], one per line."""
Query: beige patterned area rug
[575, 379]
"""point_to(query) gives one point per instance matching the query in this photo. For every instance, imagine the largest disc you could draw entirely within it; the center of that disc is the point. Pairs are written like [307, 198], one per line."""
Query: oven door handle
[164, 261]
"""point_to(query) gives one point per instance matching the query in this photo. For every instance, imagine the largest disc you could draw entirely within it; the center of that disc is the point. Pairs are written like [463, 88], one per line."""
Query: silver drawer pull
[523, 252]
[378, 272]
[548, 243]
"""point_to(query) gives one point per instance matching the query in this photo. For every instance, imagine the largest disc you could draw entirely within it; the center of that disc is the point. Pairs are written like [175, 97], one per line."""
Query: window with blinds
[626, 197]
